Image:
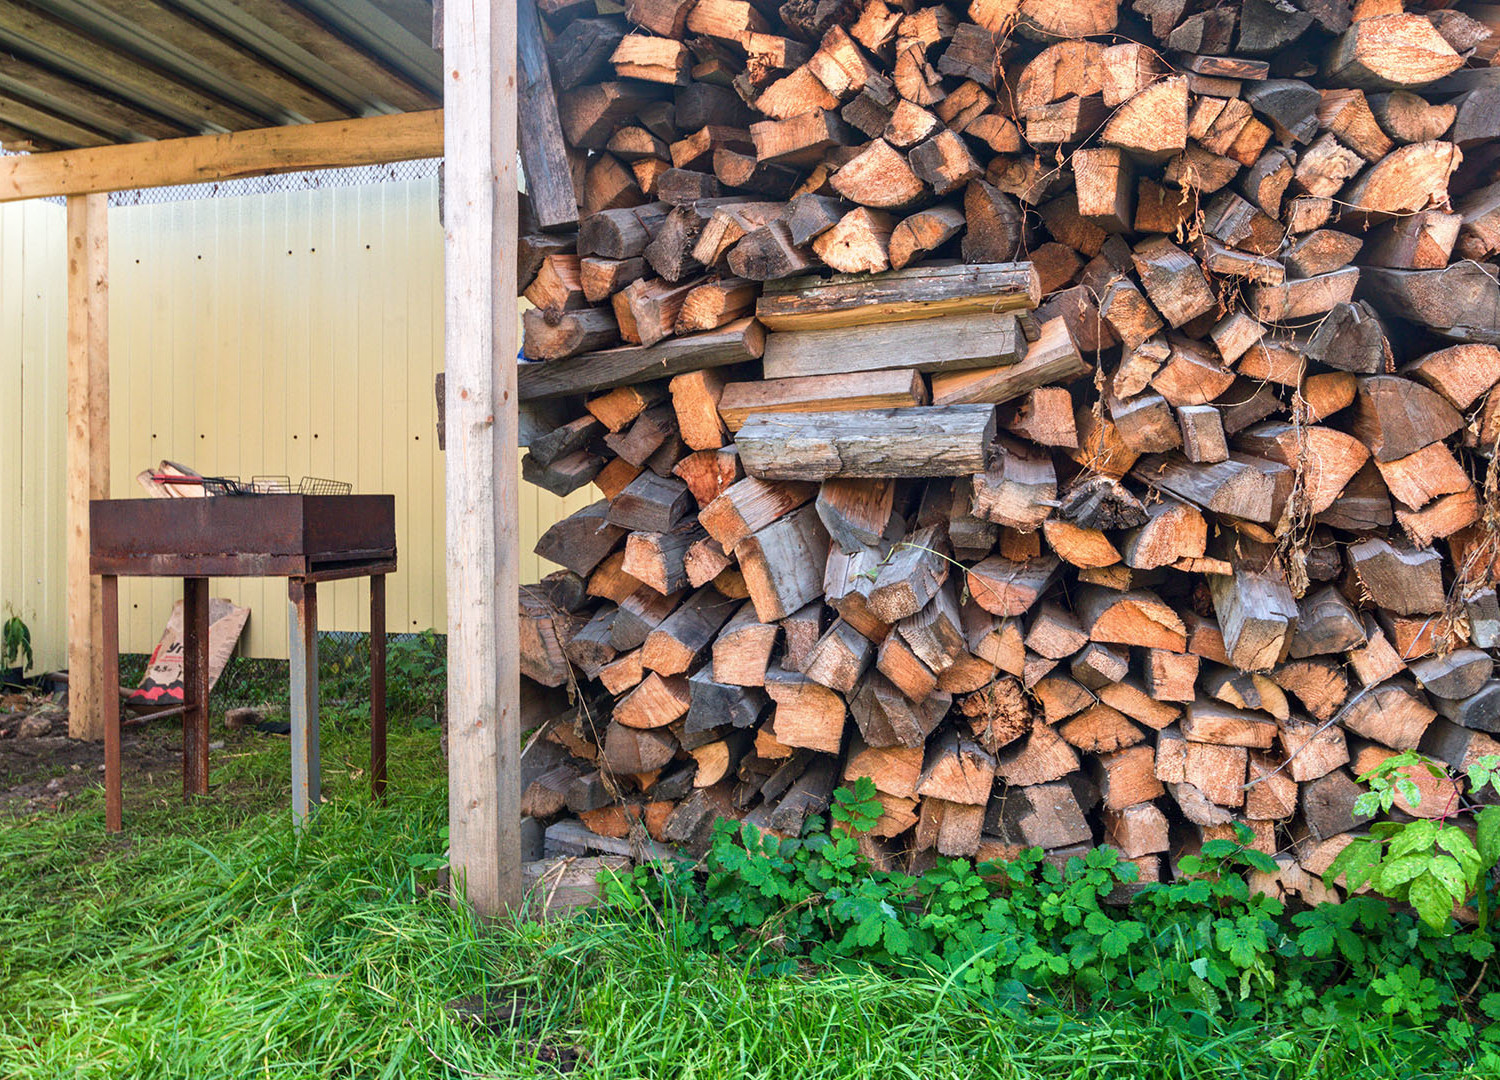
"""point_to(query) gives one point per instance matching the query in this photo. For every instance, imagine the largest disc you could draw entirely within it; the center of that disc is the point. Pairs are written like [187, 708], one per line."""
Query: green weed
[1200, 953]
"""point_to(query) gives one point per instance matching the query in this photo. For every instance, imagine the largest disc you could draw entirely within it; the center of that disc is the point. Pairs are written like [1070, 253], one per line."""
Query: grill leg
[377, 686]
[303, 642]
[194, 686]
[109, 700]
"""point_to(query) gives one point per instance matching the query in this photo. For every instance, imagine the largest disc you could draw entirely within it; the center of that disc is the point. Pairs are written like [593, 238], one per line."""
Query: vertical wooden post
[479, 219]
[87, 453]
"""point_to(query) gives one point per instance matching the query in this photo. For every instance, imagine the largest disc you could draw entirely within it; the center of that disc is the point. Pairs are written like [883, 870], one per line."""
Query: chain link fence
[306, 180]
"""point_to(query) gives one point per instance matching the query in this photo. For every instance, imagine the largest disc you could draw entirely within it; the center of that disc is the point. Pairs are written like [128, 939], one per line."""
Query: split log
[1040, 815]
[1131, 618]
[1052, 358]
[937, 441]
[1152, 124]
[889, 388]
[783, 562]
[807, 714]
[886, 717]
[1258, 617]
[1390, 51]
[1007, 588]
[859, 514]
[587, 372]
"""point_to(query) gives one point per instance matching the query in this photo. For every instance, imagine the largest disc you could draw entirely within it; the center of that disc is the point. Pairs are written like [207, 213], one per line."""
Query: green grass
[211, 941]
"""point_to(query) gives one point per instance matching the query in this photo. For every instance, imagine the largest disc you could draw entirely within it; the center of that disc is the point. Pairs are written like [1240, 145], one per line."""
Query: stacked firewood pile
[1079, 419]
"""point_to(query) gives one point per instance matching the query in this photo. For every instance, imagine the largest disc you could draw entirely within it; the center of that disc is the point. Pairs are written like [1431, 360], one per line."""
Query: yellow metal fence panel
[33, 413]
[294, 333]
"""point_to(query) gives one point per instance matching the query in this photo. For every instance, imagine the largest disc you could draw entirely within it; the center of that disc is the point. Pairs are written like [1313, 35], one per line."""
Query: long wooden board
[953, 343]
[588, 372]
[891, 389]
[815, 303]
[371, 140]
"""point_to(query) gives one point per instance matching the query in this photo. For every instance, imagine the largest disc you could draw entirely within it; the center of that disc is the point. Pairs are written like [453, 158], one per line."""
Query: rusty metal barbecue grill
[305, 537]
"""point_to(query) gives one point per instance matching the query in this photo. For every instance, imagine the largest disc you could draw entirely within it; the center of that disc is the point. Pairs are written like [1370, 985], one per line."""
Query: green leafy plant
[424, 867]
[1082, 932]
[857, 808]
[1431, 863]
[416, 672]
[15, 641]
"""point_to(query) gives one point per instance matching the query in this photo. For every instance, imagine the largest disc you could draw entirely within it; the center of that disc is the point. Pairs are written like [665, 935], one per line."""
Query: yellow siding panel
[33, 346]
[295, 333]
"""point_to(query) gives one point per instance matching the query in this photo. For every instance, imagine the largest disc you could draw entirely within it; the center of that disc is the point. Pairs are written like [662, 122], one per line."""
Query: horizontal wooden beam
[372, 140]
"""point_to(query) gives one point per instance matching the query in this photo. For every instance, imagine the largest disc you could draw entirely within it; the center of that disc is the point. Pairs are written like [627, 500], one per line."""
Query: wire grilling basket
[316, 485]
[274, 485]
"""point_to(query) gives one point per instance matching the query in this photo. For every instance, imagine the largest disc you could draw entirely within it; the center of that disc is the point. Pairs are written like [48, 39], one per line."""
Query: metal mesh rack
[315, 485]
[274, 485]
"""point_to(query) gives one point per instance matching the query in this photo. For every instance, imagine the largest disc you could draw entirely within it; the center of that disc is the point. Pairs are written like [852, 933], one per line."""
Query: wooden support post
[302, 642]
[109, 602]
[484, 689]
[87, 453]
[377, 686]
[194, 686]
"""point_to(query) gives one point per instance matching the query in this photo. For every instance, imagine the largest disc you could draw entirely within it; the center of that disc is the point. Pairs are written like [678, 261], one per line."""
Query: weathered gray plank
[950, 440]
[953, 343]
[588, 372]
[815, 303]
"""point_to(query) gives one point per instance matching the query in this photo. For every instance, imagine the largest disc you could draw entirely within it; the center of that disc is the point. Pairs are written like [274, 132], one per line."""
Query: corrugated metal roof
[93, 72]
